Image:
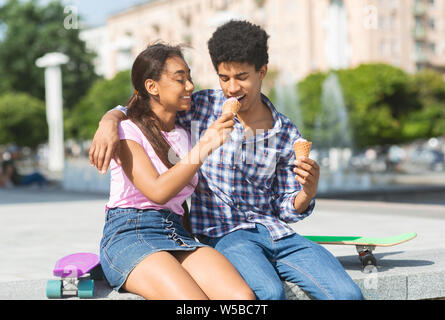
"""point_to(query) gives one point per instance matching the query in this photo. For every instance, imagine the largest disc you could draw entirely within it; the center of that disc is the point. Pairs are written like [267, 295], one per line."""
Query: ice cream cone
[302, 148]
[231, 105]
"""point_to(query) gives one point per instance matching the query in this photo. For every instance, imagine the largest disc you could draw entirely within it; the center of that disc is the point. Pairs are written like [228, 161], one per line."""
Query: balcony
[419, 33]
[419, 9]
[421, 57]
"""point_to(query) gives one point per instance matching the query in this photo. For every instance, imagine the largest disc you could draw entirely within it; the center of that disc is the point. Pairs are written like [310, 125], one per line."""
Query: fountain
[333, 118]
[333, 138]
[287, 102]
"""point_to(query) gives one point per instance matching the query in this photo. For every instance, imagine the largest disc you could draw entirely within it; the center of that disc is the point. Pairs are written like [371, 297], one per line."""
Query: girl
[145, 249]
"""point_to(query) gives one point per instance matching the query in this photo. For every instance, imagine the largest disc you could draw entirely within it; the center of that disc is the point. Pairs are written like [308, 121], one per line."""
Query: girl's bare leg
[161, 277]
[214, 274]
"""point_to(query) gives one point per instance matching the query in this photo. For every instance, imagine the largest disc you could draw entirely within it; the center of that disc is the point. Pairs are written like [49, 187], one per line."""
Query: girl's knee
[243, 294]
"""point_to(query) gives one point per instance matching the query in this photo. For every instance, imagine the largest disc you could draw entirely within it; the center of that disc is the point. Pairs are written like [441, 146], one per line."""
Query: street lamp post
[54, 113]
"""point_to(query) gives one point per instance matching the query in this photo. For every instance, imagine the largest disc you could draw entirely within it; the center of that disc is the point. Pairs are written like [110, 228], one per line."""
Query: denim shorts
[130, 235]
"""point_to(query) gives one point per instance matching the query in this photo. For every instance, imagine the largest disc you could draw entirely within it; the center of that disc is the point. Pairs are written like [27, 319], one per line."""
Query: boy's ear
[263, 72]
[151, 87]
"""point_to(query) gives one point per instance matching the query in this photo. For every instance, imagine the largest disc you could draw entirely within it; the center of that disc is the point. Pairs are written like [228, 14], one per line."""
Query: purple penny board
[75, 265]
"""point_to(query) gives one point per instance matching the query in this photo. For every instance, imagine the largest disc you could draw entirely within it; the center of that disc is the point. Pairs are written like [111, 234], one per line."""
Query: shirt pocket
[218, 166]
[259, 169]
[118, 225]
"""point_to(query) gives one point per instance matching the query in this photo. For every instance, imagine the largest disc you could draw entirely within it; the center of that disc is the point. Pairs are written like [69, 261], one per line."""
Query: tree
[27, 32]
[309, 93]
[428, 120]
[379, 99]
[82, 122]
[22, 120]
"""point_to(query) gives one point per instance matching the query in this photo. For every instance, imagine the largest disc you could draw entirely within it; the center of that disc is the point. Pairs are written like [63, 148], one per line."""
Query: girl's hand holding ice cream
[231, 105]
[307, 170]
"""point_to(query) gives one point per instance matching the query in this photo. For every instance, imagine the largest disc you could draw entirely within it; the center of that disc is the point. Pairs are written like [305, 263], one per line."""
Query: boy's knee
[273, 291]
[351, 292]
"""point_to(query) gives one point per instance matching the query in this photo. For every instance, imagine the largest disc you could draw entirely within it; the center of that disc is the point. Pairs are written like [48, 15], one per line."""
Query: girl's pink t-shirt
[124, 194]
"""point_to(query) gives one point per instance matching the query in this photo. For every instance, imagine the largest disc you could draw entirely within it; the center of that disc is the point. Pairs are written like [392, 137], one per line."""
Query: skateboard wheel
[85, 289]
[96, 273]
[54, 289]
[368, 259]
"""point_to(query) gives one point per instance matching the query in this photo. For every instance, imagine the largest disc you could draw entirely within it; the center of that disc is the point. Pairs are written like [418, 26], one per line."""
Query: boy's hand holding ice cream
[302, 147]
[307, 170]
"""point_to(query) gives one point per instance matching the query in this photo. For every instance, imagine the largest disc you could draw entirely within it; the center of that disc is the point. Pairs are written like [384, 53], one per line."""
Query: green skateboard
[364, 245]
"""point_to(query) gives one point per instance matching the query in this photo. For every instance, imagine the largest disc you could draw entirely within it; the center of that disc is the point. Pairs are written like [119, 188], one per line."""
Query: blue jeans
[33, 178]
[263, 263]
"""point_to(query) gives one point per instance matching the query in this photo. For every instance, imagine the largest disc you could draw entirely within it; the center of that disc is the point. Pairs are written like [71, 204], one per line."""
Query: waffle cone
[231, 106]
[302, 148]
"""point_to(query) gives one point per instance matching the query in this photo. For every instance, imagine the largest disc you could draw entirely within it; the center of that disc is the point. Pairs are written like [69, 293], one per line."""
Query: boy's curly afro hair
[239, 41]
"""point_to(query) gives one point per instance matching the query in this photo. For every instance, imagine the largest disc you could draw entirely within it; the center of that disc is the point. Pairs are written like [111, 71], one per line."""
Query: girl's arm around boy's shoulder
[105, 144]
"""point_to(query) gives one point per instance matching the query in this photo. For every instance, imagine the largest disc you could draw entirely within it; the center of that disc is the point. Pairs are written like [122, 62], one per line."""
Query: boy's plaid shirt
[244, 181]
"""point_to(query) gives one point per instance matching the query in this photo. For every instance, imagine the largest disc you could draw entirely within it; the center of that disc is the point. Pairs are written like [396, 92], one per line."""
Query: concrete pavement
[38, 226]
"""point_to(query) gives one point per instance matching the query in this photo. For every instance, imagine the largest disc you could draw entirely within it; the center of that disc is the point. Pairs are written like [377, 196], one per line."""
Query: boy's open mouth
[240, 98]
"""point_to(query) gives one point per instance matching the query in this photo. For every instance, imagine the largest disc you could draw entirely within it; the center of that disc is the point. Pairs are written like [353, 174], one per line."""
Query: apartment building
[305, 35]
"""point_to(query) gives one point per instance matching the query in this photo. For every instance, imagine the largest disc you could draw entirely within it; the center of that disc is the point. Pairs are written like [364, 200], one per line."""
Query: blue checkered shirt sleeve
[286, 188]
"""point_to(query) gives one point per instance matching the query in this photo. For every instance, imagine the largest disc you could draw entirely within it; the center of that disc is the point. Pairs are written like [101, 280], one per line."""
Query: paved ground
[39, 226]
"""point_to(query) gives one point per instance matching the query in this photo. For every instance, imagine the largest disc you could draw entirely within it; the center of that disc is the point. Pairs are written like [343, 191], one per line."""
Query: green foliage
[378, 97]
[385, 105]
[22, 120]
[429, 119]
[30, 30]
[104, 95]
[310, 91]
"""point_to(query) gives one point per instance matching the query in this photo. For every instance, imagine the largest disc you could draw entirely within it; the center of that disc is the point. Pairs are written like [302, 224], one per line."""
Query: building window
[394, 47]
[392, 21]
[260, 3]
[419, 47]
[432, 24]
[394, 4]
[418, 23]
[384, 47]
[124, 59]
[382, 22]
[433, 47]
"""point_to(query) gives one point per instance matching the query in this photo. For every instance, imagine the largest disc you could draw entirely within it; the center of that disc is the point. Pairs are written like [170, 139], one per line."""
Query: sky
[95, 12]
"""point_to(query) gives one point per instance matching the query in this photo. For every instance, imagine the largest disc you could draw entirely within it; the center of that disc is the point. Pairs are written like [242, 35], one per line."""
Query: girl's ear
[152, 87]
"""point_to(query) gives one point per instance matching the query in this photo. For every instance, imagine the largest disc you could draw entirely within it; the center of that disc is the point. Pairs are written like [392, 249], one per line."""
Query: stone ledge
[402, 276]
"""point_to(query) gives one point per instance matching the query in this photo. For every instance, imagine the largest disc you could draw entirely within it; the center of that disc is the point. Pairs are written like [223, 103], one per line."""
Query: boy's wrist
[302, 201]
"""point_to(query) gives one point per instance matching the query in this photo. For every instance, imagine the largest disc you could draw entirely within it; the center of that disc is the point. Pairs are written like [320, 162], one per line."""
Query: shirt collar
[276, 117]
